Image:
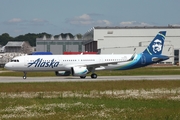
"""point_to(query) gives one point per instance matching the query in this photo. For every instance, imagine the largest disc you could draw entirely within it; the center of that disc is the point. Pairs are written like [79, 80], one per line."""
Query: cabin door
[26, 61]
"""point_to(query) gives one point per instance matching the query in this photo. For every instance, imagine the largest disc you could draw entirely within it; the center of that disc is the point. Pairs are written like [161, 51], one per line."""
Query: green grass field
[91, 100]
[108, 100]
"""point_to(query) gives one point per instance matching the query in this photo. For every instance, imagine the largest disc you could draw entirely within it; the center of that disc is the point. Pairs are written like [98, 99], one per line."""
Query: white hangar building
[129, 40]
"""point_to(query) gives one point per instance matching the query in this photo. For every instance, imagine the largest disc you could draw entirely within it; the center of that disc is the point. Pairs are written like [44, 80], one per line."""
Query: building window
[176, 57]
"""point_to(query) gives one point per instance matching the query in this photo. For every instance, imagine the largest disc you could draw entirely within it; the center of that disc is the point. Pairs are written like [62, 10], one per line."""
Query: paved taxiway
[100, 78]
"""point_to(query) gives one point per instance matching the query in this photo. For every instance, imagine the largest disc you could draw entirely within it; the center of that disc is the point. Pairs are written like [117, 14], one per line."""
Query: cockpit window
[14, 60]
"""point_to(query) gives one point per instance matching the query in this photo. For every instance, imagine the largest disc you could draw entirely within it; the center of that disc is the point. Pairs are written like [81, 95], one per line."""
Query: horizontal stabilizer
[160, 58]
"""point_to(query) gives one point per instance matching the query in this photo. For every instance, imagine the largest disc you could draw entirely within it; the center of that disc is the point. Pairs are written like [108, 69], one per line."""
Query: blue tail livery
[156, 46]
[151, 55]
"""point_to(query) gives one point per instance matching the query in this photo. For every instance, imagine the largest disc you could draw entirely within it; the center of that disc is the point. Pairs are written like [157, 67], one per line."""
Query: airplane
[80, 65]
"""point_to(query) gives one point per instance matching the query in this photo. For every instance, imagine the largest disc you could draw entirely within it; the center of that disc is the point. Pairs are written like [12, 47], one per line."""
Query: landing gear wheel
[82, 77]
[24, 77]
[94, 76]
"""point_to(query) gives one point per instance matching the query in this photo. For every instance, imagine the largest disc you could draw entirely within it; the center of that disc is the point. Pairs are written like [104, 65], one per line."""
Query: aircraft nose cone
[7, 66]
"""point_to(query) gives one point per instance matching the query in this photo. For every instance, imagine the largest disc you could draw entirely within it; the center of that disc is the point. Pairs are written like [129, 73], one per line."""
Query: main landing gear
[24, 76]
[93, 76]
[82, 77]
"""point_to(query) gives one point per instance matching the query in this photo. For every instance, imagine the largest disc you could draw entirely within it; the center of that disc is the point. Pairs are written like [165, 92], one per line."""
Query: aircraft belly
[117, 66]
[111, 67]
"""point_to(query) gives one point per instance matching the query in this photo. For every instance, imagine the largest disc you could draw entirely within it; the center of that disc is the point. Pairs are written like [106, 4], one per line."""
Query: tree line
[31, 37]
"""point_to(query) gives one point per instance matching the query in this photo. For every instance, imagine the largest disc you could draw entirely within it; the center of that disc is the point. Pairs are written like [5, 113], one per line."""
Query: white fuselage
[65, 62]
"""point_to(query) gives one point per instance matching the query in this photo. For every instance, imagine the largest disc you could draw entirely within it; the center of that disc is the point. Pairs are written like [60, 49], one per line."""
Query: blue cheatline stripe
[161, 35]
[149, 51]
[130, 64]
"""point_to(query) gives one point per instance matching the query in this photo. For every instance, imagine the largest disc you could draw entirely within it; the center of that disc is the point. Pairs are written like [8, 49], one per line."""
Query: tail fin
[156, 46]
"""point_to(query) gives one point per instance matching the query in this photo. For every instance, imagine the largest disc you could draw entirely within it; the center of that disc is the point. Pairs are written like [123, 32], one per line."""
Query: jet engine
[79, 71]
[62, 73]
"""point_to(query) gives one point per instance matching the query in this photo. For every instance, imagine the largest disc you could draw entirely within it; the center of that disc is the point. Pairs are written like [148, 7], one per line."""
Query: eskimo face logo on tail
[157, 46]
[42, 63]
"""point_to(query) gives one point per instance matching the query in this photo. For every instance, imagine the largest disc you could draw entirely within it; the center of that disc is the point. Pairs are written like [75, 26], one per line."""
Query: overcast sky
[18, 17]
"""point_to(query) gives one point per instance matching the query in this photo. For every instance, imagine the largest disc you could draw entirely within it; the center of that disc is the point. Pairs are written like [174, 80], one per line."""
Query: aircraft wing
[95, 65]
[106, 63]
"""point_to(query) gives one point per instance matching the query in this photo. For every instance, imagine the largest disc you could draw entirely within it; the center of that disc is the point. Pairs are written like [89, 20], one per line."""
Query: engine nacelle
[79, 71]
[62, 73]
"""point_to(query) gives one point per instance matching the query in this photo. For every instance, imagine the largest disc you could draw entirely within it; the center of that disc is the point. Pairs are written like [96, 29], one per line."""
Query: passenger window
[14, 60]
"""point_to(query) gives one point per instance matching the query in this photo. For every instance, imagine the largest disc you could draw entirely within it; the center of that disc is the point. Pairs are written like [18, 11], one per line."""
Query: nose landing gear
[24, 76]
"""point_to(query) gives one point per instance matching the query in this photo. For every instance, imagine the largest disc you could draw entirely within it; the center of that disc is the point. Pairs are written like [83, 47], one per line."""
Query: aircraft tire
[82, 77]
[94, 76]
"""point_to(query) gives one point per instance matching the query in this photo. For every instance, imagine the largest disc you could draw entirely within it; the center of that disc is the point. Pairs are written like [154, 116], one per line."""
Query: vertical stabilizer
[156, 46]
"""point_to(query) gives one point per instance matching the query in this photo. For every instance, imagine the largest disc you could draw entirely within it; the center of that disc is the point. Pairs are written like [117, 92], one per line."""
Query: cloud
[134, 23]
[81, 20]
[19, 26]
[86, 19]
[38, 21]
[104, 22]
[18, 21]
[15, 20]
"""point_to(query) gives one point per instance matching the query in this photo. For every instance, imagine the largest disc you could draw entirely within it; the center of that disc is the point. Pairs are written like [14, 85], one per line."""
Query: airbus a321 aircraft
[81, 65]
